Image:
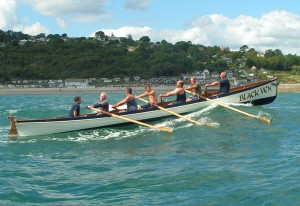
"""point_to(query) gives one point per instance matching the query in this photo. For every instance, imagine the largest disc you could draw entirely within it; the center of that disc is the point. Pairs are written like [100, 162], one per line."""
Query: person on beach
[223, 83]
[153, 101]
[75, 109]
[179, 92]
[195, 88]
[102, 103]
[129, 99]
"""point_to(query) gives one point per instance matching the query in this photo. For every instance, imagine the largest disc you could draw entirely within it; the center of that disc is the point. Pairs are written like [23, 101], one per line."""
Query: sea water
[244, 161]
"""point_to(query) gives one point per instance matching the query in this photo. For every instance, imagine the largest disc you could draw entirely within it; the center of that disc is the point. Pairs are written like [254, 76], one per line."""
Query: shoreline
[281, 89]
[95, 90]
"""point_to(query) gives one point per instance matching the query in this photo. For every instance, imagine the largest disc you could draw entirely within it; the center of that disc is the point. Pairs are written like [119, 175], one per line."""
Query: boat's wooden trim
[240, 88]
[250, 85]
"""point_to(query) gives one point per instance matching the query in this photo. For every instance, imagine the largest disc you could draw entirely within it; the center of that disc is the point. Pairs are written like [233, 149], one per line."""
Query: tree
[41, 35]
[54, 42]
[244, 49]
[219, 65]
[278, 52]
[3, 37]
[145, 39]
[276, 63]
[100, 35]
[269, 53]
[182, 46]
[291, 61]
[251, 53]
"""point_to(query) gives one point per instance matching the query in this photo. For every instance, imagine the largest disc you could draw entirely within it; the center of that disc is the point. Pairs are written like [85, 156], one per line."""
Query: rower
[223, 83]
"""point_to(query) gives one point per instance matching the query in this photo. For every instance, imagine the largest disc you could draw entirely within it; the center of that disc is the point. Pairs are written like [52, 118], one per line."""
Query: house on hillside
[131, 48]
[81, 83]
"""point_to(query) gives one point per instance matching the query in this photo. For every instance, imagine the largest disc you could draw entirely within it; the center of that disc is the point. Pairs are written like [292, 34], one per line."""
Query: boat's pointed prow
[13, 132]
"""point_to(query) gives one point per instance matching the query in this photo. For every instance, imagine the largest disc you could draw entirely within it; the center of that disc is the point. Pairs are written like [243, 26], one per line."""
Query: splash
[238, 104]
[103, 134]
[264, 116]
[203, 111]
[12, 111]
[197, 116]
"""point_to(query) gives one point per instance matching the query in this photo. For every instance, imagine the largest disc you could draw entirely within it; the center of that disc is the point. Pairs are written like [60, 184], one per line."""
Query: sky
[259, 24]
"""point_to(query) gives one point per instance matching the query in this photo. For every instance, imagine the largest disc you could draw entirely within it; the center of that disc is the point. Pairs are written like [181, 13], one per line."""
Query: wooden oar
[234, 109]
[237, 110]
[165, 129]
[178, 115]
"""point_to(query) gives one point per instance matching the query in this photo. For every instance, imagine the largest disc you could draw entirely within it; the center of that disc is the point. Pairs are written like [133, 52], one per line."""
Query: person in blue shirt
[75, 109]
[102, 103]
[223, 83]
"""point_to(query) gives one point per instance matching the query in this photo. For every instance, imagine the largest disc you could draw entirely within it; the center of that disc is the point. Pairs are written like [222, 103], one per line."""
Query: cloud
[59, 8]
[8, 17]
[77, 11]
[90, 18]
[137, 4]
[34, 29]
[278, 29]
[61, 23]
[135, 32]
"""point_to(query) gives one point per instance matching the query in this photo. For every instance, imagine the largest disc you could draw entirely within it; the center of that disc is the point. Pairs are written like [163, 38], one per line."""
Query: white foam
[264, 114]
[12, 111]
[238, 104]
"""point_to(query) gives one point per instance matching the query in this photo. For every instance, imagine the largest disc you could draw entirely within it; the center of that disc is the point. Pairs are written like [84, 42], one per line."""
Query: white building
[76, 83]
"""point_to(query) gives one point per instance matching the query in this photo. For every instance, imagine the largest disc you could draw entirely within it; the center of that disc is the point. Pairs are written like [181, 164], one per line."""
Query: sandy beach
[289, 88]
[160, 89]
[78, 90]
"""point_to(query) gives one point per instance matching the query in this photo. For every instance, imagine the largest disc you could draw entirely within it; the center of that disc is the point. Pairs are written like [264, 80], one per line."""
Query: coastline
[7, 91]
[78, 90]
[289, 88]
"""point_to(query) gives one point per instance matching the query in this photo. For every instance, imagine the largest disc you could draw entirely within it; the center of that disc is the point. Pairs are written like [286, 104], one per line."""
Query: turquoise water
[242, 162]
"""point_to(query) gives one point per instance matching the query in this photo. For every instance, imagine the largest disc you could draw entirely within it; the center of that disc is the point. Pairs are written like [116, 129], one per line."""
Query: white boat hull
[257, 94]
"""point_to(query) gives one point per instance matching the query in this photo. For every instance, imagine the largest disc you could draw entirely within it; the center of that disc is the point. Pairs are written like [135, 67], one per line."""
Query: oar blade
[13, 132]
[165, 129]
[215, 125]
[264, 119]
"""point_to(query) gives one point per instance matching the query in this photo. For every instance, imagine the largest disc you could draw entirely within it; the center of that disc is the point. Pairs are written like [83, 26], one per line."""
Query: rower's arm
[142, 95]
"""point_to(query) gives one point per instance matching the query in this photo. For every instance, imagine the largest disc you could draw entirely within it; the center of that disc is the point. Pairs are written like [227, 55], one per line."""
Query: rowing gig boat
[259, 93]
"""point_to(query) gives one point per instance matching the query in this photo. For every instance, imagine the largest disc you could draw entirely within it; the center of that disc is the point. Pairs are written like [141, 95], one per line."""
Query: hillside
[58, 57]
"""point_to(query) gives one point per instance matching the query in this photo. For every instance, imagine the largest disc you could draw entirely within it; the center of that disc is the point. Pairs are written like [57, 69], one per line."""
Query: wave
[238, 104]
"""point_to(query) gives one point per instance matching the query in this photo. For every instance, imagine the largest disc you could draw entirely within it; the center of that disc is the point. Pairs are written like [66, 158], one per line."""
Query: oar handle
[165, 129]
[143, 100]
